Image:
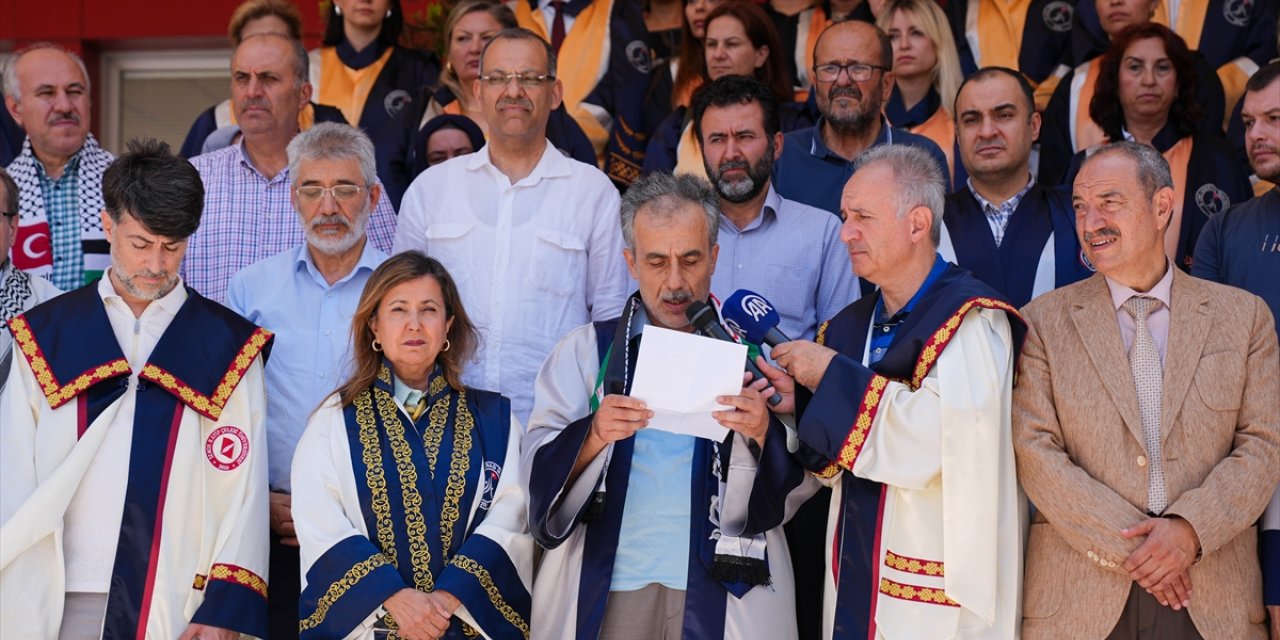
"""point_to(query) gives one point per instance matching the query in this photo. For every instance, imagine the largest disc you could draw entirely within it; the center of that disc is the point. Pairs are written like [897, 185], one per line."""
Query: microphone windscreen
[751, 314]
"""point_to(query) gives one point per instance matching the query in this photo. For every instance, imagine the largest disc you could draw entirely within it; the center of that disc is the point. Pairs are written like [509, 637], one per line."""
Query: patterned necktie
[416, 404]
[1144, 361]
[557, 25]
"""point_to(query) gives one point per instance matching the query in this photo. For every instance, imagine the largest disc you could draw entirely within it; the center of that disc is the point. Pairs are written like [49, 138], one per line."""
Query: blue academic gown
[1011, 268]
[202, 344]
[1047, 29]
[706, 594]
[826, 415]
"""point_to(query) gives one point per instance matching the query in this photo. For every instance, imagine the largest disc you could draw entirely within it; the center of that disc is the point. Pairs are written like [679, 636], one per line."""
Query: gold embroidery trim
[913, 565]
[339, 589]
[916, 594]
[857, 437]
[415, 523]
[495, 598]
[434, 433]
[211, 407]
[238, 575]
[938, 341]
[374, 477]
[459, 464]
[59, 394]
[822, 333]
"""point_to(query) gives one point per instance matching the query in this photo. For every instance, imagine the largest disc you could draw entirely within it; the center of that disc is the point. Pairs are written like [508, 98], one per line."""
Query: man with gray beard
[306, 296]
[852, 80]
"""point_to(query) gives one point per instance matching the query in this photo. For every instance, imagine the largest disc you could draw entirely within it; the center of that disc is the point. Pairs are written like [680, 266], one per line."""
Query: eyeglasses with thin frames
[858, 72]
[527, 79]
[312, 194]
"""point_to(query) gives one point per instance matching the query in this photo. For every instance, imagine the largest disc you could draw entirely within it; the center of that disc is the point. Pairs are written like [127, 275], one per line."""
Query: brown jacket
[1081, 459]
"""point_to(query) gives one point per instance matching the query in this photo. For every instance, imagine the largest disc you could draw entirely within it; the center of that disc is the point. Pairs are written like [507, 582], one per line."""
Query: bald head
[843, 35]
[47, 93]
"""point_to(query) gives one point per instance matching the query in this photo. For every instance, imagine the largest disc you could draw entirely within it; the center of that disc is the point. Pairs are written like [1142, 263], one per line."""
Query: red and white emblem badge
[226, 448]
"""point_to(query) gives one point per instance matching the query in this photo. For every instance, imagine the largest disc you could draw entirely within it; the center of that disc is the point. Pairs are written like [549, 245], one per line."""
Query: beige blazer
[1081, 459]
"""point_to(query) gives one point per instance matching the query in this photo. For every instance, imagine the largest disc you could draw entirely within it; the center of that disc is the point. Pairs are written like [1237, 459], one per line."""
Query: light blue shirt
[311, 355]
[653, 544]
[792, 255]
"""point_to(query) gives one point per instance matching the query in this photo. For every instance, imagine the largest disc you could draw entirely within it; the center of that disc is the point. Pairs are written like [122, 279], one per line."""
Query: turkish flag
[31, 248]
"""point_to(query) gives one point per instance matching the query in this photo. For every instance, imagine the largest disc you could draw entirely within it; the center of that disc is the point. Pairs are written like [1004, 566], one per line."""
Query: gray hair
[301, 59]
[332, 141]
[520, 33]
[10, 201]
[917, 180]
[663, 194]
[1153, 169]
[11, 86]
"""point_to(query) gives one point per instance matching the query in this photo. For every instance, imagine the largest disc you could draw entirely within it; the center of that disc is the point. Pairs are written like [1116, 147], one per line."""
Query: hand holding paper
[679, 375]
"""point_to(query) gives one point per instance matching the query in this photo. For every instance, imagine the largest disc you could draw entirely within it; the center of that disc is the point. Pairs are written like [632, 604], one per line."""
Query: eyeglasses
[312, 194]
[528, 79]
[858, 72]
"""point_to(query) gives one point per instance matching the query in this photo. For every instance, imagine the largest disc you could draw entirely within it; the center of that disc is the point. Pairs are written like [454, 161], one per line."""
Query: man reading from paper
[630, 516]
[909, 421]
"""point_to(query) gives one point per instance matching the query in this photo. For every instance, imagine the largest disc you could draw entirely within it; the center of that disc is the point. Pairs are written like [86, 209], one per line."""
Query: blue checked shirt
[62, 210]
[998, 217]
[248, 218]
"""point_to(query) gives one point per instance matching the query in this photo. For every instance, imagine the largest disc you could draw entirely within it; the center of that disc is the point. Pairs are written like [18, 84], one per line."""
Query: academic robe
[991, 33]
[1206, 182]
[194, 534]
[1236, 37]
[1068, 128]
[1039, 253]
[605, 66]
[929, 119]
[378, 504]
[578, 524]
[926, 525]
[397, 73]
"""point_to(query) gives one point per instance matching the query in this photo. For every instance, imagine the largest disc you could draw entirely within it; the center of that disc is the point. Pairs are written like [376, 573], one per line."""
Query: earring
[388, 13]
[446, 345]
[376, 346]
[337, 10]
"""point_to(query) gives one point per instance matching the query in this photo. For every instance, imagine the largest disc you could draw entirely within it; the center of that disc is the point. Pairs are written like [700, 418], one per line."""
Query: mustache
[1109, 232]
[851, 91]
[677, 297]
[253, 103]
[64, 115]
[523, 103]
[1263, 146]
[334, 218]
[729, 165]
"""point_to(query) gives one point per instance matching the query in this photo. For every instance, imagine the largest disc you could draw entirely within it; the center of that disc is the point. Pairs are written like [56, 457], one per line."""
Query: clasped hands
[420, 615]
[1160, 563]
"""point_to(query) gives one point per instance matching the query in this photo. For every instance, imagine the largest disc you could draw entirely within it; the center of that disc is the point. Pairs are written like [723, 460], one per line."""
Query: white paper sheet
[679, 376]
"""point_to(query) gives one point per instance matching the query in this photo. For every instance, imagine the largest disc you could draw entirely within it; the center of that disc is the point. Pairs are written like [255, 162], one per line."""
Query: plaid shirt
[998, 217]
[248, 217]
[62, 210]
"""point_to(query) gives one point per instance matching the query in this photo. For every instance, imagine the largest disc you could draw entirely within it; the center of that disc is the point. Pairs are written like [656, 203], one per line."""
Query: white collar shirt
[532, 260]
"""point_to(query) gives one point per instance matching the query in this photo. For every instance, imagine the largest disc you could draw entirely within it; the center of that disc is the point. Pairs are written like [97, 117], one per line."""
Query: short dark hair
[732, 90]
[389, 35]
[160, 190]
[1028, 93]
[520, 33]
[1263, 78]
[1105, 107]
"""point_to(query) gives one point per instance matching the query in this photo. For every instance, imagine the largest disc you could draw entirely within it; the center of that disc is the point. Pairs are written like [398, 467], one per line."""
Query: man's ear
[108, 227]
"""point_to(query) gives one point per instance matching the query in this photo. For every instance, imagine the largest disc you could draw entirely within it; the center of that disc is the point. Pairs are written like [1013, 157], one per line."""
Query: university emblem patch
[1236, 12]
[226, 448]
[1212, 200]
[638, 55]
[1057, 15]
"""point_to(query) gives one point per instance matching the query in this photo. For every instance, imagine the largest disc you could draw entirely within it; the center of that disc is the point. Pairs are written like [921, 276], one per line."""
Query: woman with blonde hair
[926, 71]
[406, 492]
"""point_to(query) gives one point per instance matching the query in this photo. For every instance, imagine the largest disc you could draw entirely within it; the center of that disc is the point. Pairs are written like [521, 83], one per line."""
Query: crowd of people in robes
[356, 359]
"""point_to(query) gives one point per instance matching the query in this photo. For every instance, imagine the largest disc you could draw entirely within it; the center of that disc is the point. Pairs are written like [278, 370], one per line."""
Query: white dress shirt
[94, 515]
[532, 260]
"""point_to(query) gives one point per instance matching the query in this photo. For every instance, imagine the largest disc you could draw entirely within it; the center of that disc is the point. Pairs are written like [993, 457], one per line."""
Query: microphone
[703, 318]
[754, 317]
